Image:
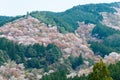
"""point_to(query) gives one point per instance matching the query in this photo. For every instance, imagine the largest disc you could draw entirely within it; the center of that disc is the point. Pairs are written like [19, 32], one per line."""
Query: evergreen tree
[100, 72]
[115, 70]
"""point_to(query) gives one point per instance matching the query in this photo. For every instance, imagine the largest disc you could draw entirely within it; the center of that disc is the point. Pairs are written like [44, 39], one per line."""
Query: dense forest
[115, 71]
[110, 40]
[33, 56]
[67, 21]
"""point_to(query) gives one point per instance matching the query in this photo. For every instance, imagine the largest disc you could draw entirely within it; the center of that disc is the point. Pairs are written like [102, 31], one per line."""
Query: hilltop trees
[67, 21]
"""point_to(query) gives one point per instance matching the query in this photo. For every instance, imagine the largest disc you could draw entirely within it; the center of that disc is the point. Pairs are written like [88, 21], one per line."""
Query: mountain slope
[68, 20]
[30, 31]
[72, 40]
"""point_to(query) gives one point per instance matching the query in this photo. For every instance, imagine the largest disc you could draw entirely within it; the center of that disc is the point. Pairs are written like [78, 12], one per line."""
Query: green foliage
[115, 4]
[3, 57]
[62, 30]
[61, 75]
[109, 44]
[76, 61]
[100, 49]
[98, 8]
[100, 72]
[102, 31]
[113, 40]
[50, 56]
[33, 56]
[68, 19]
[115, 71]
[33, 63]
[6, 19]
[110, 40]
[42, 56]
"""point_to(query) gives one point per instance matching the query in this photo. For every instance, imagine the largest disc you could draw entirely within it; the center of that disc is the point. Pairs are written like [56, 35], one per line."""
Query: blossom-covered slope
[29, 30]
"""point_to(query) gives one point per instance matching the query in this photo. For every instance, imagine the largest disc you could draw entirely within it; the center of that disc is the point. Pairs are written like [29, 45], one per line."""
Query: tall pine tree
[100, 72]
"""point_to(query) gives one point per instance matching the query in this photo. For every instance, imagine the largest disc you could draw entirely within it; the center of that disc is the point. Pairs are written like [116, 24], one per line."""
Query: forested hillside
[109, 40]
[67, 21]
[100, 72]
[62, 45]
[33, 56]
